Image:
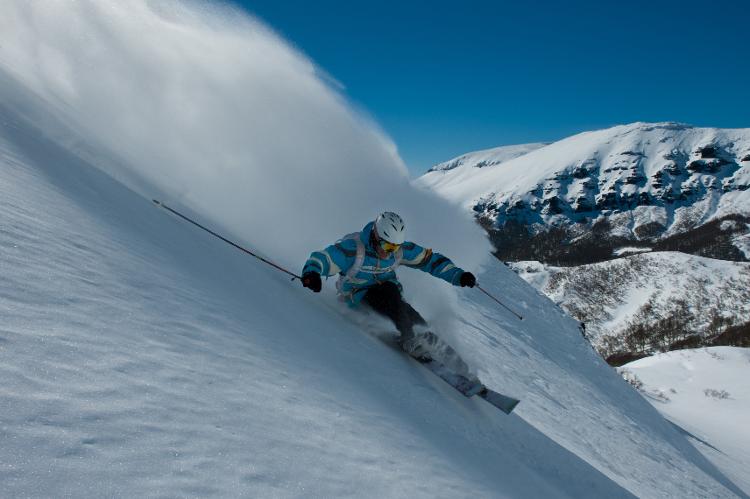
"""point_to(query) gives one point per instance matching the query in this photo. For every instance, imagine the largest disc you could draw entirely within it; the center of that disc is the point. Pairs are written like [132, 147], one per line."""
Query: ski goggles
[389, 247]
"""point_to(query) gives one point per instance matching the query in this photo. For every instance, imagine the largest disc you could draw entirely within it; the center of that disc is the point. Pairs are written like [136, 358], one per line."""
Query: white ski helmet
[390, 227]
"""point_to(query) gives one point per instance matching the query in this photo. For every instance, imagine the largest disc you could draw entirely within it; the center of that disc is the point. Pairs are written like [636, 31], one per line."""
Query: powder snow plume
[206, 107]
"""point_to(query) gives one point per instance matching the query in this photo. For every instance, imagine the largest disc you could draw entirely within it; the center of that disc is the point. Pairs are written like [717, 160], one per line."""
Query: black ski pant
[385, 298]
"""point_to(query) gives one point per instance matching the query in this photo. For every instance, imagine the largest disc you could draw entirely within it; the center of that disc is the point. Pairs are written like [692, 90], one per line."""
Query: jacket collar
[365, 236]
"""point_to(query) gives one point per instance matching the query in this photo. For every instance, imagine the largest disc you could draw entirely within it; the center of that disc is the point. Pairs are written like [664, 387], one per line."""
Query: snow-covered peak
[644, 178]
[487, 157]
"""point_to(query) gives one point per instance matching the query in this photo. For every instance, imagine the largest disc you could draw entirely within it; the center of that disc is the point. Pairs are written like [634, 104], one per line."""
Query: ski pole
[499, 302]
[162, 205]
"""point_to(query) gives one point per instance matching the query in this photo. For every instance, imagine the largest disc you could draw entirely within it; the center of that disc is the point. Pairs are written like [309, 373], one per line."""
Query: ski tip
[502, 402]
[512, 406]
[156, 202]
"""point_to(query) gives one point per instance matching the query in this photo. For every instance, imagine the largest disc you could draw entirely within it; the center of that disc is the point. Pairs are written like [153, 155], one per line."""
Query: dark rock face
[673, 168]
[707, 166]
[581, 172]
[582, 205]
[657, 179]
[644, 199]
[636, 179]
[483, 164]
[606, 201]
[707, 152]
[449, 166]
[621, 358]
[554, 205]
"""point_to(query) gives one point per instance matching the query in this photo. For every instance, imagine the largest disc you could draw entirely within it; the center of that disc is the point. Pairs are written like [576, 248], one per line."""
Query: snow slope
[607, 295]
[144, 358]
[704, 392]
[141, 357]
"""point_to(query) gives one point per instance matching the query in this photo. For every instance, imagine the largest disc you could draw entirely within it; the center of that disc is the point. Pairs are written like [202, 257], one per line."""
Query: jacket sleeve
[336, 258]
[426, 260]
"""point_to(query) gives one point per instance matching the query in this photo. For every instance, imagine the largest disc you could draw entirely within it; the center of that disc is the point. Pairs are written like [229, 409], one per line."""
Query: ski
[502, 402]
[467, 387]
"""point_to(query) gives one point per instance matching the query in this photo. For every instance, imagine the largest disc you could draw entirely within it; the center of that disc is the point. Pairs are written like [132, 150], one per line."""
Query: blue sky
[443, 78]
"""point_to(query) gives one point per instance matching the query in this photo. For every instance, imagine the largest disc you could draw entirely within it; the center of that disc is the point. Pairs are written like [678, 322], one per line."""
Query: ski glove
[312, 280]
[467, 279]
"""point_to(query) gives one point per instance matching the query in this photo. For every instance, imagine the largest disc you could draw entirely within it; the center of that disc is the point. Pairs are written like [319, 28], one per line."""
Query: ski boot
[419, 346]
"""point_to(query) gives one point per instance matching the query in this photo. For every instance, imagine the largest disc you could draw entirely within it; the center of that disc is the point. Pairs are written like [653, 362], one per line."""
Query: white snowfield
[705, 392]
[142, 357]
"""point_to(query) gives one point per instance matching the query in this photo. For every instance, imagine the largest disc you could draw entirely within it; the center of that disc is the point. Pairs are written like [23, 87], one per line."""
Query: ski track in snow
[142, 357]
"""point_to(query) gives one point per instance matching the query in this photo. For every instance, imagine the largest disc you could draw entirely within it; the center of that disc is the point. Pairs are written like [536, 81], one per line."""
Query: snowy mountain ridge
[487, 157]
[642, 181]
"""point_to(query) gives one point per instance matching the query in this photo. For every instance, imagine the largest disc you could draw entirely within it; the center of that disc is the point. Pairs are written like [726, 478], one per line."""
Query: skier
[366, 262]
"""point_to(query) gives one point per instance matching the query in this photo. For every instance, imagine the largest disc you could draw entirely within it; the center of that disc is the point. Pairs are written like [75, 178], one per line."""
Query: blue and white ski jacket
[356, 261]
